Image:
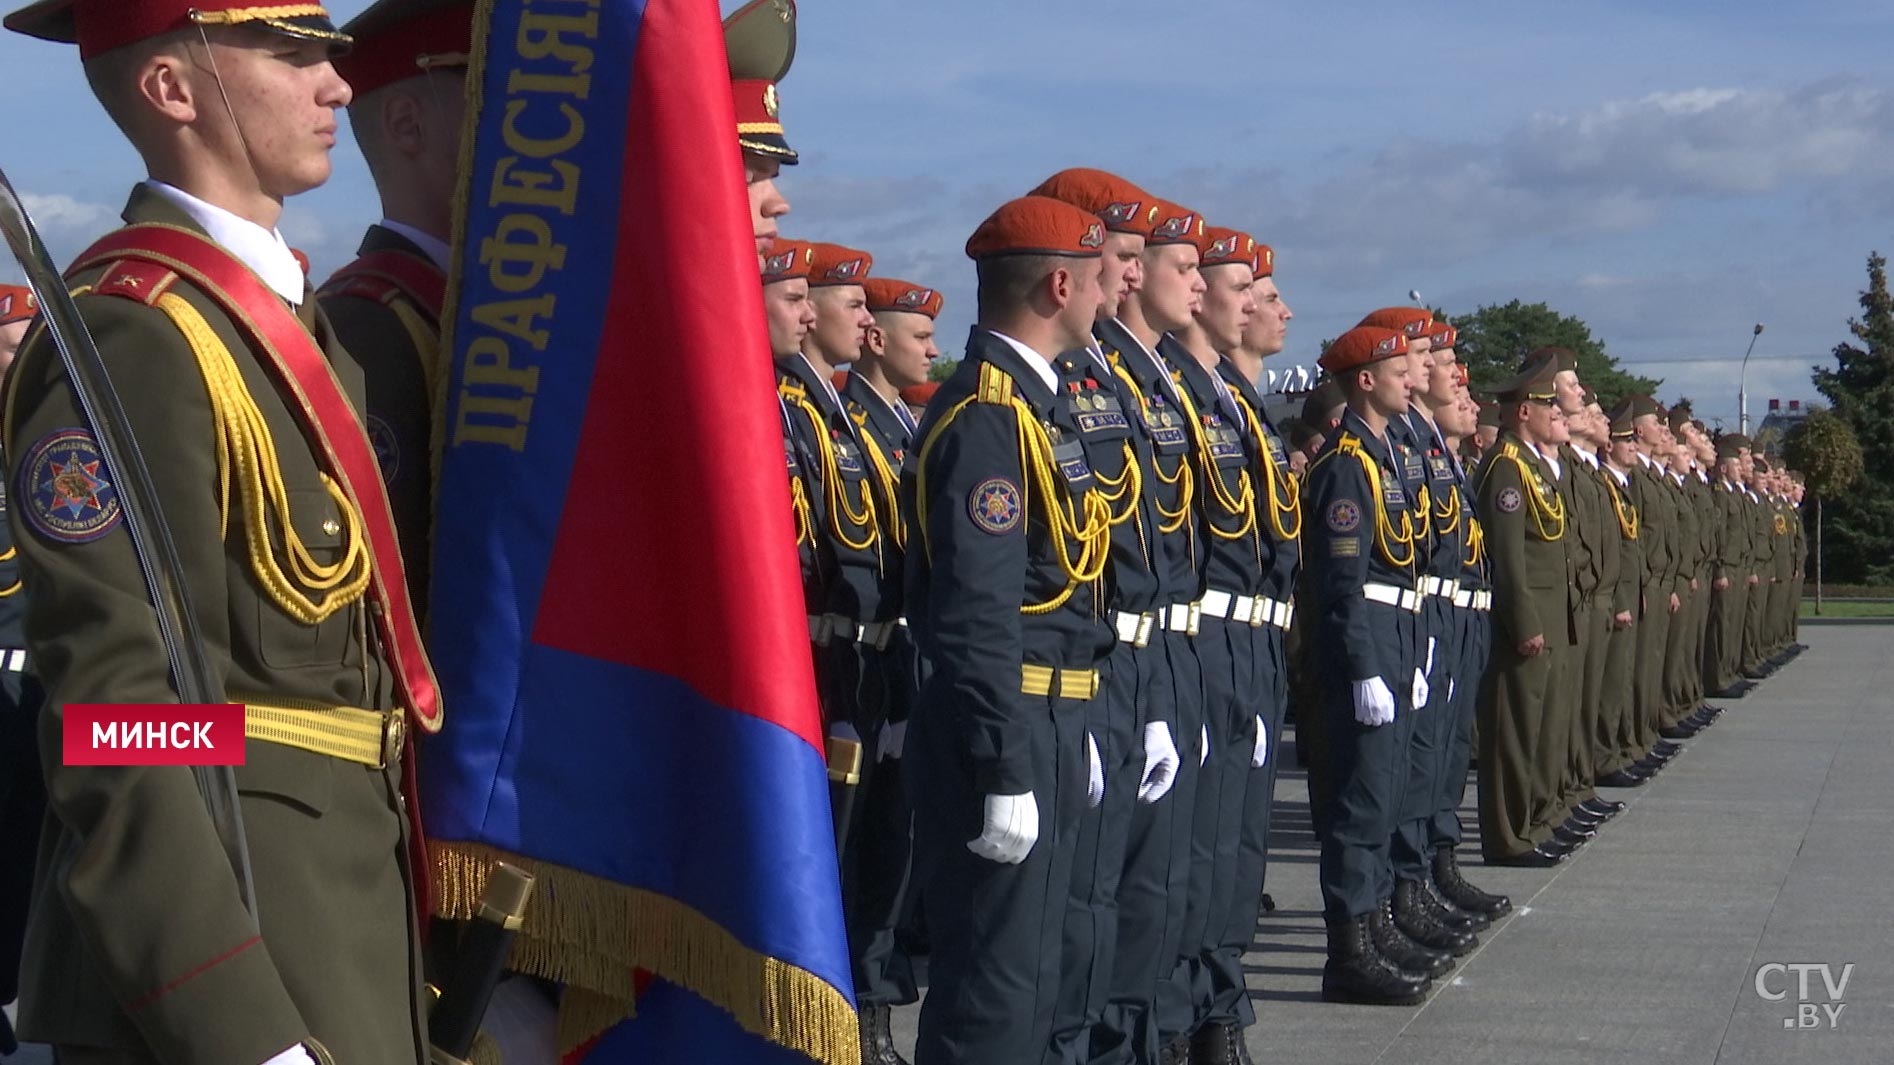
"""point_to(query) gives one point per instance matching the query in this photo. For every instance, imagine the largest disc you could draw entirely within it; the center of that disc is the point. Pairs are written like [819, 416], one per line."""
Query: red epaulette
[384, 276]
[135, 279]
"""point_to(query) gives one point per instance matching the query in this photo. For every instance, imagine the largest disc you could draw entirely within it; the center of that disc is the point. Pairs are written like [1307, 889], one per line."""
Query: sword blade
[151, 538]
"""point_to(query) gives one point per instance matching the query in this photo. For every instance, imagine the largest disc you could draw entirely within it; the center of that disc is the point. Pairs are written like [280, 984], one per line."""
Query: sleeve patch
[1344, 516]
[1509, 500]
[70, 497]
[995, 506]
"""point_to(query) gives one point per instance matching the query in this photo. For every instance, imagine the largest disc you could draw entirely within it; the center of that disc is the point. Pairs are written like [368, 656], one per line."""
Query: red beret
[1122, 206]
[99, 26]
[1221, 246]
[1037, 225]
[1361, 346]
[1410, 322]
[919, 395]
[1175, 225]
[1443, 335]
[787, 261]
[17, 304]
[1265, 261]
[836, 264]
[892, 294]
[400, 39]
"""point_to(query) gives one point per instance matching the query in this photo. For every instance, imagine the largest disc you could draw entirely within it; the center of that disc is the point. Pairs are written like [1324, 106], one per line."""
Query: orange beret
[1122, 206]
[892, 294]
[1361, 346]
[1175, 225]
[1037, 225]
[17, 304]
[787, 261]
[837, 264]
[1265, 261]
[919, 395]
[400, 39]
[1222, 246]
[1410, 322]
[1443, 335]
[100, 26]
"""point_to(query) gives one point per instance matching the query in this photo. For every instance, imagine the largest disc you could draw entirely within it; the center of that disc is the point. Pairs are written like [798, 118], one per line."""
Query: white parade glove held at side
[1160, 763]
[296, 1055]
[1374, 702]
[1203, 752]
[1009, 830]
[894, 737]
[1261, 757]
[1094, 774]
[1451, 688]
[1419, 690]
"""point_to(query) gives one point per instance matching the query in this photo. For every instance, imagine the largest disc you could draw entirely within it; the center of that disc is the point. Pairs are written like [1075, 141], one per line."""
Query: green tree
[1860, 521]
[1496, 337]
[942, 368]
[1826, 452]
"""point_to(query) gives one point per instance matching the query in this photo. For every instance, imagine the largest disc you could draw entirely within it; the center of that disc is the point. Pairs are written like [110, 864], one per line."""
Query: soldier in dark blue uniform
[1114, 927]
[1363, 563]
[22, 789]
[1011, 539]
[895, 354]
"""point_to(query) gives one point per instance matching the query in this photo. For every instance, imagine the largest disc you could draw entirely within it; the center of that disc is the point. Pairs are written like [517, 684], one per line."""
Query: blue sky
[1670, 173]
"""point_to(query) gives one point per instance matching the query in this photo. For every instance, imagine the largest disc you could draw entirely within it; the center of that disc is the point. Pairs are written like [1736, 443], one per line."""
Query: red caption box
[154, 733]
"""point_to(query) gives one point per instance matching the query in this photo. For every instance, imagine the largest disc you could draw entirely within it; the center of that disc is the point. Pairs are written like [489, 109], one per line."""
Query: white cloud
[53, 211]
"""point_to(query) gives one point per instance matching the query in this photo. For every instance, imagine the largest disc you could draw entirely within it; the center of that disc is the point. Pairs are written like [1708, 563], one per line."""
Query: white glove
[296, 1055]
[1374, 703]
[1160, 763]
[1094, 774]
[1421, 687]
[1010, 828]
[1203, 753]
[894, 737]
[1261, 757]
[1451, 688]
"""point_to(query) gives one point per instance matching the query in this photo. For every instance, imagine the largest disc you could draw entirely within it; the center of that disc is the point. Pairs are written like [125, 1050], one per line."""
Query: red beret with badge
[838, 264]
[400, 39]
[1265, 261]
[1175, 224]
[788, 260]
[1411, 322]
[1122, 206]
[1038, 225]
[17, 304]
[894, 294]
[1443, 334]
[1362, 346]
[100, 26]
[1222, 246]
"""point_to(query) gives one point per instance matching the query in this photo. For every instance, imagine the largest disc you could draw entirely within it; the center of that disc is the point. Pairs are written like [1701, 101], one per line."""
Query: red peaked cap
[100, 26]
[400, 39]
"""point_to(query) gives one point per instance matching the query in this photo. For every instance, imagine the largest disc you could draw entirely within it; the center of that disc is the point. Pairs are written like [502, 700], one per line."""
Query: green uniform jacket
[1733, 542]
[1762, 537]
[1608, 550]
[1585, 544]
[1623, 525]
[138, 939]
[1527, 546]
[1659, 530]
[1689, 536]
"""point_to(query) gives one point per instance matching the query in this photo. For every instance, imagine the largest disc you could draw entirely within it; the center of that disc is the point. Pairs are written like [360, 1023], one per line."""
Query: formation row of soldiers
[1053, 605]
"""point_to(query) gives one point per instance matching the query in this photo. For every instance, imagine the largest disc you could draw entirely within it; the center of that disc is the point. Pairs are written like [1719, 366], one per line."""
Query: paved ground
[1769, 843]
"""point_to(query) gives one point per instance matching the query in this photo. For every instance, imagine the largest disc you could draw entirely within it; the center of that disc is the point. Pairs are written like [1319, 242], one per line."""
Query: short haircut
[1007, 281]
[110, 76]
[365, 115]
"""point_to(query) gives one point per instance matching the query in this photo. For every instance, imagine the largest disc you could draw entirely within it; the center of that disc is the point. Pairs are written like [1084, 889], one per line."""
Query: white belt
[1179, 617]
[1252, 610]
[13, 661]
[1463, 600]
[1482, 600]
[1134, 629]
[1387, 594]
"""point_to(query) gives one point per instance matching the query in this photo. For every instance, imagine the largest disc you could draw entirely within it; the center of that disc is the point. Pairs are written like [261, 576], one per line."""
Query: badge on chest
[1097, 410]
[1068, 453]
[1411, 470]
[1226, 447]
[1439, 469]
[848, 458]
[1165, 424]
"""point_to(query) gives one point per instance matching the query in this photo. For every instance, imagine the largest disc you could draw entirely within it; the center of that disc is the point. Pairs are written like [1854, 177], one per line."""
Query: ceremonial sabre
[455, 1019]
[144, 518]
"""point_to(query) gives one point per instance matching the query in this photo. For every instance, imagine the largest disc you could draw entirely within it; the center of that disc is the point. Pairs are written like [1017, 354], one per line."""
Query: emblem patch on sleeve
[1344, 516]
[995, 506]
[1509, 499]
[381, 437]
[69, 492]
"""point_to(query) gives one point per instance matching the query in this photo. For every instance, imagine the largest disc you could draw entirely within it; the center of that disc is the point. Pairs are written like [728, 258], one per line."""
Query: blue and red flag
[616, 615]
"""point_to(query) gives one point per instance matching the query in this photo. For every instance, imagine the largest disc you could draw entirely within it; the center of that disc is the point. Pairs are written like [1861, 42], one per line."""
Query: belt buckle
[1196, 617]
[394, 737]
[1260, 609]
[1145, 624]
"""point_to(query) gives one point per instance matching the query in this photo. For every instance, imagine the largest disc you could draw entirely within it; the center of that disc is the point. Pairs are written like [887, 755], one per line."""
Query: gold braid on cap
[275, 17]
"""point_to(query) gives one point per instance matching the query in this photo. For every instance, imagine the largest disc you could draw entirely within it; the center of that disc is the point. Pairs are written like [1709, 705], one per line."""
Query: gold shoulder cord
[1543, 510]
[308, 591]
[1476, 541]
[1447, 517]
[8, 556]
[1169, 521]
[887, 476]
[1627, 511]
[1386, 537]
[425, 337]
[1092, 537]
[1239, 505]
[860, 516]
[1285, 518]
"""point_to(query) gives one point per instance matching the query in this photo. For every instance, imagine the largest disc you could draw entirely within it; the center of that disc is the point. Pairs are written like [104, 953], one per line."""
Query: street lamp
[1742, 382]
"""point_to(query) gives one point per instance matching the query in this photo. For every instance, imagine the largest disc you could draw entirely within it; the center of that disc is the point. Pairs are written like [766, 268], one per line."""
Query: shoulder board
[1511, 450]
[1348, 442]
[791, 389]
[384, 276]
[859, 413]
[135, 279]
[996, 386]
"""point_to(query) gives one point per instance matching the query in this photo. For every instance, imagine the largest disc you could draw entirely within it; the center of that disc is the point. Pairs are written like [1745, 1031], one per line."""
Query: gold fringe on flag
[589, 934]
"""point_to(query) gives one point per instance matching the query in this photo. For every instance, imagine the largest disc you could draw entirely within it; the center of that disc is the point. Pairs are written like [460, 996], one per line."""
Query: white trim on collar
[1039, 363]
[262, 250]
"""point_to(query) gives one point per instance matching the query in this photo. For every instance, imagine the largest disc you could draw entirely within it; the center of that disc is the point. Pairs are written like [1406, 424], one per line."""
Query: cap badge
[1118, 214]
[847, 271]
[1222, 249]
[770, 103]
[1094, 236]
[914, 297]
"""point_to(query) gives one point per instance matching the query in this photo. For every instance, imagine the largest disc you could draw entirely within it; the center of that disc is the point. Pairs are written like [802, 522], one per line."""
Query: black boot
[1219, 1044]
[1175, 1052]
[1358, 972]
[1462, 894]
[877, 1027]
[1417, 916]
[1403, 953]
[1454, 916]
